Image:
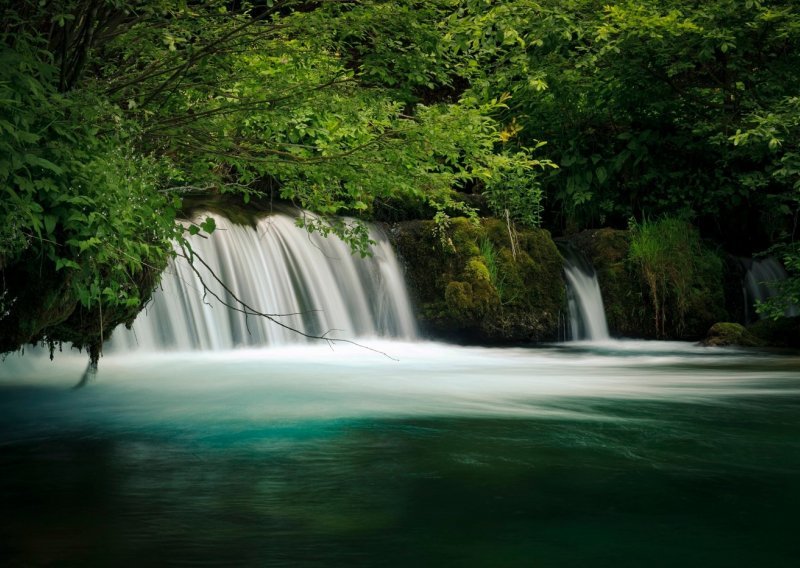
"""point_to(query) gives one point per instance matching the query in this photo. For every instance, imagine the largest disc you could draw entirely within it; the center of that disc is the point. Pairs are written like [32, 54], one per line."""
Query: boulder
[477, 281]
[725, 334]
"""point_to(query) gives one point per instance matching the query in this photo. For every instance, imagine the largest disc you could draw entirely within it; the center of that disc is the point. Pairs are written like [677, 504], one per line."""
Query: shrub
[682, 276]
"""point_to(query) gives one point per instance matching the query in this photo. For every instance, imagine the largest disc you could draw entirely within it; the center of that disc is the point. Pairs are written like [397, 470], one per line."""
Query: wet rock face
[478, 282]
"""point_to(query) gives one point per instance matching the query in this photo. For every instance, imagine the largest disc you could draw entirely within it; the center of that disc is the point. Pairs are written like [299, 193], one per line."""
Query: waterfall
[312, 284]
[586, 312]
[760, 283]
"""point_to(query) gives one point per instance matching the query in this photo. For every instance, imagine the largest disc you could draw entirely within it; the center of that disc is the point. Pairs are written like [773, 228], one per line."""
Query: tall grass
[489, 259]
[669, 254]
[489, 256]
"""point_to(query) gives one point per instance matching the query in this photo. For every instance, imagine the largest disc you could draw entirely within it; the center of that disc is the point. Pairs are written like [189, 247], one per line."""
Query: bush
[683, 277]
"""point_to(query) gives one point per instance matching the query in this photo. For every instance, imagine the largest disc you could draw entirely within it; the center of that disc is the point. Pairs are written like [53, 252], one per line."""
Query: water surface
[612, 454]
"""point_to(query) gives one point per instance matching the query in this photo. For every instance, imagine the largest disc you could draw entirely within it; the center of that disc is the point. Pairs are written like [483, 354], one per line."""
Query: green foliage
[775, 134]
[110, 112]
[394, 45]
[638, 100]
[489, 256]
[664, 108]
[113, 111]
[86, 204]
[678, 270]
[517, 192]
[407, 49]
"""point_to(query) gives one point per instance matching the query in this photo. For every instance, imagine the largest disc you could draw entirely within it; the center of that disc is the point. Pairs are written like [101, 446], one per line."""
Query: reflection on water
[618, 454]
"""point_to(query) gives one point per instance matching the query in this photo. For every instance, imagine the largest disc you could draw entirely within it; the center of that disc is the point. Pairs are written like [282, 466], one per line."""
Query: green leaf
[42, 163]
[209, 225]
[50, 223]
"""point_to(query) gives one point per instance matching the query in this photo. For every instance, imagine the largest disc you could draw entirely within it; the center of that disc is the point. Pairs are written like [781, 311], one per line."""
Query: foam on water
[424, 379]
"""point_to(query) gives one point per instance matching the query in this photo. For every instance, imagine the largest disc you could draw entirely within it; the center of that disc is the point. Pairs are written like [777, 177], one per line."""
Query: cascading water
[586, 311]
[761, 283]
[311, 283]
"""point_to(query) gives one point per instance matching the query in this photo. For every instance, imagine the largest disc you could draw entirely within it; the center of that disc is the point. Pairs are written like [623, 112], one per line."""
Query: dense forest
[677, 120]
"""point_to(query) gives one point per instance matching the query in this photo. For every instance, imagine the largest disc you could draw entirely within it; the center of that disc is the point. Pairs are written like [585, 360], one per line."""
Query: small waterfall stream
[760, 283]
[314, 284]
[586, 311]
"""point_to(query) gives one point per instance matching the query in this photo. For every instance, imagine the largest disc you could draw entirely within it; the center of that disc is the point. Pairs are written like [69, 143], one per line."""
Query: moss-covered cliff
[623, 297]
[47, 310]
[677, 294]
[469, 283]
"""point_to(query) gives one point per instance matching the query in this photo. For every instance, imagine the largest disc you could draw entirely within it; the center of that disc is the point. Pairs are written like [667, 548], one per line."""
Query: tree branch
[244, 308]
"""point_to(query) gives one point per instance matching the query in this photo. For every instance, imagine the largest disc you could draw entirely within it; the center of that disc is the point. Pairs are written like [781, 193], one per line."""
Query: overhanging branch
[243, 307]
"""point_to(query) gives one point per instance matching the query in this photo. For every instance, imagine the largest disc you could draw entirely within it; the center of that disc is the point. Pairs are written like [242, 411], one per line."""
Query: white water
[312, 284]
[313, 382]
[760, 283]
[586, 310]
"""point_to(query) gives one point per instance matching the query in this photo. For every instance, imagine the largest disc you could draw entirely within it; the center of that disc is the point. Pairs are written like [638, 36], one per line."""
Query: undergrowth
[676, 268]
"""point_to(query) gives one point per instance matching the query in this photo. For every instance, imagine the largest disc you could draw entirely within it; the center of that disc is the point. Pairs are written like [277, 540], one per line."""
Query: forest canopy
[572, 114]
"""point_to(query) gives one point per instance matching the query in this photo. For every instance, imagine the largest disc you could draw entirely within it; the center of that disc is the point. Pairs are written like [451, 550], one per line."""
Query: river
[581, 454]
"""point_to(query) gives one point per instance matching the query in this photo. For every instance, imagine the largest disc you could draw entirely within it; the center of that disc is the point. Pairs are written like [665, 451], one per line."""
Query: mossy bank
[479, 282]
[667, 285]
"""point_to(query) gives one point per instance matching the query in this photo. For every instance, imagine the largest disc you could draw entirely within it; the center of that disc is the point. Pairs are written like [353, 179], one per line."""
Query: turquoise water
[615, 454]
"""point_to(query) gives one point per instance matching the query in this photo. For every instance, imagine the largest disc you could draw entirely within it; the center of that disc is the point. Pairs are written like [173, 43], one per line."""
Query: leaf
[66, 263]
[50, 223]
[42, 163]
[88, 243]
[209, 225]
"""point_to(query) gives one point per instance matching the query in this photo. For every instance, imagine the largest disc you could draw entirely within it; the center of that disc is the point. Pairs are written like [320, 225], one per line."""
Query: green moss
[725, 334]
[464, 234]
[479, 288]
[496, 231]
[473, 296]
[689, 308]
[477, 270]
[459, 299]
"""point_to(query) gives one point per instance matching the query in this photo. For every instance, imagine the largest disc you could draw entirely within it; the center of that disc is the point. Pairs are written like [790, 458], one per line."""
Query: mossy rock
[460, 301]
[469, 285]
[626, 294]
[706, 301]
[463, 237]
[724, 334]
[477, 270]
[48, 311]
